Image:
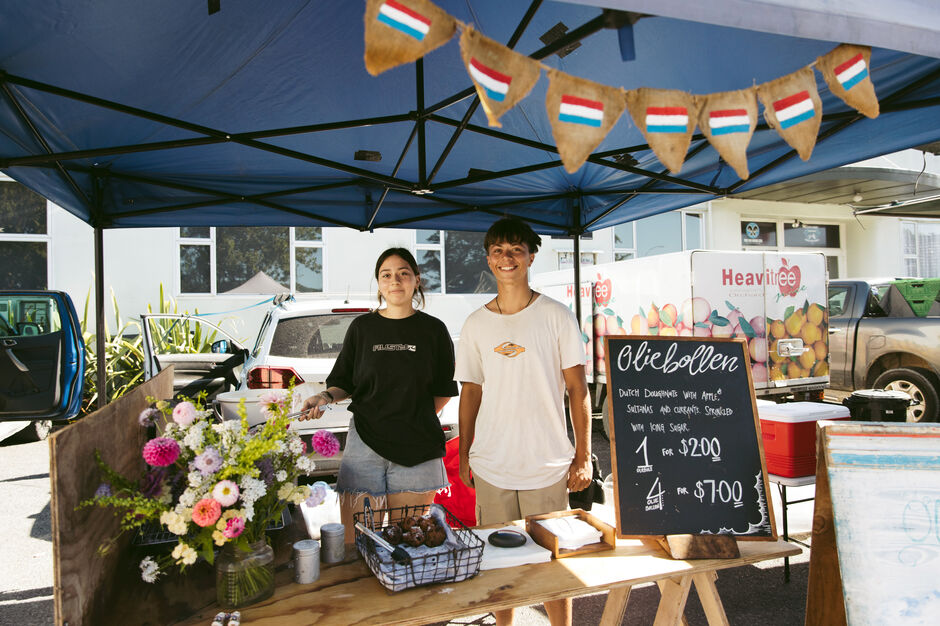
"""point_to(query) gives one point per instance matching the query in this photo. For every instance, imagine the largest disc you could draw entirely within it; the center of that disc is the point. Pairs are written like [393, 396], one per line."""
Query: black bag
[594, 492]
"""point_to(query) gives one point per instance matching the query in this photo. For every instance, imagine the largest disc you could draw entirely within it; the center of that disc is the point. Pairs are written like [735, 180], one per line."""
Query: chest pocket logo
[509, 349]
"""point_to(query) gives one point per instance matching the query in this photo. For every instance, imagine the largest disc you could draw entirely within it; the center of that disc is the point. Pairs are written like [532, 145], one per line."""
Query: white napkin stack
[494, 557]
[572, 532]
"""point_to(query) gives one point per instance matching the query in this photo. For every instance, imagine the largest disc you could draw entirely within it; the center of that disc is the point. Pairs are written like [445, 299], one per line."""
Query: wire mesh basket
[458, 558]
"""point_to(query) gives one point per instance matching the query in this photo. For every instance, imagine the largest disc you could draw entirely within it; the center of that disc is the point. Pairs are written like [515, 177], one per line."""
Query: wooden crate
[547, 539]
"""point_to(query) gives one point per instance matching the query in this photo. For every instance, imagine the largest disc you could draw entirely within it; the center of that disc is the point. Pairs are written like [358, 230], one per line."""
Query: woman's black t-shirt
[393, 369]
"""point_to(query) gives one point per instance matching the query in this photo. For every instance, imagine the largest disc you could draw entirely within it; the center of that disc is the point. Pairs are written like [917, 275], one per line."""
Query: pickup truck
[877, 341]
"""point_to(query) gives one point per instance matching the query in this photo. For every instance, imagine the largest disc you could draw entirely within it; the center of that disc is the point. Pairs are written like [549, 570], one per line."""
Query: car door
[42, 356]
[841, 334]
[204, 357]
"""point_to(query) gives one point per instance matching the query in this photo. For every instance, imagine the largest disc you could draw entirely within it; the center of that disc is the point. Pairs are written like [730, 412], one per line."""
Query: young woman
[397, 365]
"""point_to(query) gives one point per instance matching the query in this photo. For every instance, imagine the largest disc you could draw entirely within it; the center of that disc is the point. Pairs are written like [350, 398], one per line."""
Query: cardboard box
[788, 431]
[547, 539]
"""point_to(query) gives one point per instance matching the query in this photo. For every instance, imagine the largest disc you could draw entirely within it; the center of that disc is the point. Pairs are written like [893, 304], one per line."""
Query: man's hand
[313, 407]
[465, 474]
[579, 475]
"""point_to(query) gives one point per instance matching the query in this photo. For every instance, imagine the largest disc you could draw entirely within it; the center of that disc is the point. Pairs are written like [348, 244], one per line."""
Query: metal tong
[399, 554]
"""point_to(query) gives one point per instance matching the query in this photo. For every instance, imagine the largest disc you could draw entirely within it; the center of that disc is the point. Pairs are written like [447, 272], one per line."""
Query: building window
[251, 260]
[566, 259]
[24, 238]
[920, 249]
[453, 262]
[659, 234]
[797, 236]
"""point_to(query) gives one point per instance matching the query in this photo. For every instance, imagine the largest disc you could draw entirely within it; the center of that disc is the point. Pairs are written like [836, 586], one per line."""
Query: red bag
[459, 499]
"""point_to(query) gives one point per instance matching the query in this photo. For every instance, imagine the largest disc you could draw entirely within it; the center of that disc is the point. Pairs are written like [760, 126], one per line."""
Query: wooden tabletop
[350, 594]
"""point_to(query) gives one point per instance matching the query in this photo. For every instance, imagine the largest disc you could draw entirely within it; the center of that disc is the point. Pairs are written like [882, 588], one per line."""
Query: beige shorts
[496, 505]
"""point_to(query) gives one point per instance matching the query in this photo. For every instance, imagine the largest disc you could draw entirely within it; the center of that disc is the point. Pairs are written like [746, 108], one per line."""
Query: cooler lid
[802, 412]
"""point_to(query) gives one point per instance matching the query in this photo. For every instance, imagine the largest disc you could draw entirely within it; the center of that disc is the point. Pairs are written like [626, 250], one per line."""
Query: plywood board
[82, 578]
[884, 482]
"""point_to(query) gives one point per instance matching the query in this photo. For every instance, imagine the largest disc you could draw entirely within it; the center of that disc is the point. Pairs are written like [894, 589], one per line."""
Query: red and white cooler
[788, 431]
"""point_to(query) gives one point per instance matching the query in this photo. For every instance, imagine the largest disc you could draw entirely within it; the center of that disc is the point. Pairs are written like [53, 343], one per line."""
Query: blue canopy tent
[136, 114]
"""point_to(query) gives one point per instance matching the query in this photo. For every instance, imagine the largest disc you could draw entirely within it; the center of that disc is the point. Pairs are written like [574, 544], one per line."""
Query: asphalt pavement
[750, 594]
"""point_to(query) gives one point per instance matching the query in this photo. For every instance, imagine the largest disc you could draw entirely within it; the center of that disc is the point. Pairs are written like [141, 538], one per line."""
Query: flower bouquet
[215, 485]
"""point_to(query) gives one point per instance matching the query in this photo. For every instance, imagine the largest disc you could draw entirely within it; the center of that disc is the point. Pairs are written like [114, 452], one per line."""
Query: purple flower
[318, 493]
[325, 443]
[103, 490]
[209, 461]
[184, 414]
[151, 485]
[266, 468]
[161, 451]
[148, 416]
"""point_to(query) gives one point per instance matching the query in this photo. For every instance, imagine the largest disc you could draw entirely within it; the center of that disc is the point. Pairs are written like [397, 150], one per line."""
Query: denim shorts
[363, 470]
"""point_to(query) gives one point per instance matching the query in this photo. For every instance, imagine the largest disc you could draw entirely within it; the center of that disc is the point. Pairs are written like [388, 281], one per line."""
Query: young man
[516, 357]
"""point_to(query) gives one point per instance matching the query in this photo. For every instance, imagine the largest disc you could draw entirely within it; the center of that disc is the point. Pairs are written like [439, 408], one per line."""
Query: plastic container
[227, 405]
[878, 405]
[788, 431]
[920, 294]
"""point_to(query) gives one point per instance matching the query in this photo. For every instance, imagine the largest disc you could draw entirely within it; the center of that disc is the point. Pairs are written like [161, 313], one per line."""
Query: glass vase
[244, 577]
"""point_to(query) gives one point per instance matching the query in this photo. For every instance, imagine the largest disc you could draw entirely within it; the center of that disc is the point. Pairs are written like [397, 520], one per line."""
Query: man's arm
[471, 394]
[579, 406]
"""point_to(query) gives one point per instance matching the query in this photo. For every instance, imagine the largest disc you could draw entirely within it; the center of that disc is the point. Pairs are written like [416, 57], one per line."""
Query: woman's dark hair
[511, 230]
[409, 258]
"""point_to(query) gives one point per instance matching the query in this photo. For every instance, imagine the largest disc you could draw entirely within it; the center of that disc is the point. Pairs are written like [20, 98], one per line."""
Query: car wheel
[918, 387]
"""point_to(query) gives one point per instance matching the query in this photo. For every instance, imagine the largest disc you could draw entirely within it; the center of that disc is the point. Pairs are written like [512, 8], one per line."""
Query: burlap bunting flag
[846, 72]
[667, 119]
[792, 107]
[403, 31]
[502, 77]
[728, 120]
[581, 113]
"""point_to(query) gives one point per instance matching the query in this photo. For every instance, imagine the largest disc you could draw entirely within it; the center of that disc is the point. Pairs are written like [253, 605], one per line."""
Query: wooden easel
[684, 547]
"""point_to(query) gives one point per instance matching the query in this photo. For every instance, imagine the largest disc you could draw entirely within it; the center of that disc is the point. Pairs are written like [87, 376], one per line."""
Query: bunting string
[582, 112]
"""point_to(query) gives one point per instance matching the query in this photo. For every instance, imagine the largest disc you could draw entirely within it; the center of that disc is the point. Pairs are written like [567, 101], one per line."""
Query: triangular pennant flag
[502, 77]
[402, 31]
[792, 107]
[581, 113]
[666, 117]
[728, 119]
[846, 70]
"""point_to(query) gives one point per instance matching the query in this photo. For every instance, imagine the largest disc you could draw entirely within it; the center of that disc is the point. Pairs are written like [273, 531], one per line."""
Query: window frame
[44, 238]
[210, 242]
[439, 247]
[829, 253]
[683, 224]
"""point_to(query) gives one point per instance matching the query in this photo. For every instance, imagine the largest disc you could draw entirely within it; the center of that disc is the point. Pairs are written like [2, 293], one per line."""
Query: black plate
[507, 539]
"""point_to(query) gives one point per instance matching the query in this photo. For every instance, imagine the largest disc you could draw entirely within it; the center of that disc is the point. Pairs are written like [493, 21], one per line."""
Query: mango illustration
[794, 323]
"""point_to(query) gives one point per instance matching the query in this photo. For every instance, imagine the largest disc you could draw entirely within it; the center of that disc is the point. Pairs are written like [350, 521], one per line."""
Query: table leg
[708, 596]
[675, 591]
[786, 530]
[615, 606]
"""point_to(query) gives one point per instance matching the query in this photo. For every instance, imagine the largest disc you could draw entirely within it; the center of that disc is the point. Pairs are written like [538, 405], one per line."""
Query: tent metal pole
[101, 355]
[577, 261]
[401, 159]
[422, 144]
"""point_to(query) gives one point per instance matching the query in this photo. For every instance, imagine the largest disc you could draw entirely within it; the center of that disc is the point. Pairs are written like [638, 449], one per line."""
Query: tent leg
[100, 352]
[577, 264]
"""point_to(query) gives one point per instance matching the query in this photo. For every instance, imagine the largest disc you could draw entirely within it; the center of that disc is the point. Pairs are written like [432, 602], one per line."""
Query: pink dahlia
[184, 414]
[207, 512]
[234, 527]
[161, 451]
[325, 443]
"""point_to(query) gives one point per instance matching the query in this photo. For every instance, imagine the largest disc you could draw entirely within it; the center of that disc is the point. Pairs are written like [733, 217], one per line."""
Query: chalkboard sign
[685, 442]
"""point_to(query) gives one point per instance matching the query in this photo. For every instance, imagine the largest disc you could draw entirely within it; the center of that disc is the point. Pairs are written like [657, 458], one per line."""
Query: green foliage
[124, 352]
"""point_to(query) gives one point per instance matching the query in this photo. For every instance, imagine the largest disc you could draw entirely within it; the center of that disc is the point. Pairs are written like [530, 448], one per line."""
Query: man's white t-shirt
[520, 437]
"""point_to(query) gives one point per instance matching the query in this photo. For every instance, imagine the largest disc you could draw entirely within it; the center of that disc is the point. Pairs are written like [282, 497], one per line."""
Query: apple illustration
[757, 347]
[652, 317]
[639, 325]
[759, 326]
[600, 325]
[602, 291]
[700, 331]
[788, 278]
[683, 330]
[728, 330]
[668, 314]
[695, 310]
[759, 372]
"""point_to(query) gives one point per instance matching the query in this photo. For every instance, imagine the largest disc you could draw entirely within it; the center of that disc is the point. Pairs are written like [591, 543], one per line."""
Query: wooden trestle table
[348, 593]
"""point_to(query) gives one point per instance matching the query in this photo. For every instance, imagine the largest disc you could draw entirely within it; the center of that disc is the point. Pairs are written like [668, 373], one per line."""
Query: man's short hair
[511, 230]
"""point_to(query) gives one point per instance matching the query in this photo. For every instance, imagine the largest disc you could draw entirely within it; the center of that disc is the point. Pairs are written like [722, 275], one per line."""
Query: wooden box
[549, 540]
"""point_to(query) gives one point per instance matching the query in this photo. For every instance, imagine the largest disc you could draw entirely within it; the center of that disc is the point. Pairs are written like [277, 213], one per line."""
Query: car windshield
[312, 336]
